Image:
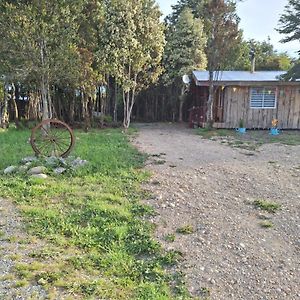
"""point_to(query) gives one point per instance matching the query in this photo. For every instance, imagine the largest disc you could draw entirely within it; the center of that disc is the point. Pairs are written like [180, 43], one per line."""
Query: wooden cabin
[257, 98]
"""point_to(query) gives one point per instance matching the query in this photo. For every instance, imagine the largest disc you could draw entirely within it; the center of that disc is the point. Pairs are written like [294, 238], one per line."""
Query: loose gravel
[15, 245]
[212, 187]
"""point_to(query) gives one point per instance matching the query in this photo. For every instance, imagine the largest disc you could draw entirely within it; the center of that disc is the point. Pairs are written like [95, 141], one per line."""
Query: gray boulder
[41, 176]
[78, 162]
[28, 159]
[59, 170]
[10, 170]
[36, 170]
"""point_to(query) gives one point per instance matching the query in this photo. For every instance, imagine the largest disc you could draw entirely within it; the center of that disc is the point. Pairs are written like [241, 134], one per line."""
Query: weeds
[171, 258]
[252, 140]
[208, 133]
[170, 237]
[268, 206]
[187, 229]
[266, 224]
[99, 243]
[21, 283]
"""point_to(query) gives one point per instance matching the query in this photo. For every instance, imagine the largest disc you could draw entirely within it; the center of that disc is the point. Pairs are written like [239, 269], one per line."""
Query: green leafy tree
[289, 23]
[131, 47]
[223, 35]
[184, 52]
[38, 42]
[266, 57]
[196, 7]
[221, 23]
[294, 72]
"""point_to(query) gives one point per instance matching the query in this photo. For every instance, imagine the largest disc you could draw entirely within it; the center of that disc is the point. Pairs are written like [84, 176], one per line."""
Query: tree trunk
[43, 84]
[210, 101]
[126, 120]
[49, 100]
[33, 106]
[182, 98]
[15, 106]
[44, 100]
[116, 103]
[130, 99]
[85, 112]
[72, 109]
[5, 116]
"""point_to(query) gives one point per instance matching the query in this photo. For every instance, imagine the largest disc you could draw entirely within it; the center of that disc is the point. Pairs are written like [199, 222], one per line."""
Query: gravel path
[15, 245]
[212, 187]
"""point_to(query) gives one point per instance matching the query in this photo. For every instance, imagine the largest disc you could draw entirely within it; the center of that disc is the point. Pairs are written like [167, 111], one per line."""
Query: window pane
[263, 98]
[256, 98]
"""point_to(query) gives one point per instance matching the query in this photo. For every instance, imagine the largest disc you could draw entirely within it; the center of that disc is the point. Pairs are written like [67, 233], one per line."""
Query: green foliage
[252, 140]
[184, 52]
[16, 139]
[39, 42]
[208, 133]
[220, 26]
[224, 36]
[170, 237]
[266, 58]
[171, 257]
[187, 229]
[267, 205]
[293, 73]
[131, 47]
[241, 123]
[1, 91]
[97, 244]
[221, 17]
[290, 21]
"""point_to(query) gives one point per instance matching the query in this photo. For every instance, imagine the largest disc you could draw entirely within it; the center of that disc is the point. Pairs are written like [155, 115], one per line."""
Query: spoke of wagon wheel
[58, 146]
[61, 132]
[63, 141]
[42, 146]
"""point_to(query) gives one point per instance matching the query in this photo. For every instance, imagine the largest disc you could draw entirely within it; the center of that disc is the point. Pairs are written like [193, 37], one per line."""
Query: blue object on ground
[241, 130]
[274, 131]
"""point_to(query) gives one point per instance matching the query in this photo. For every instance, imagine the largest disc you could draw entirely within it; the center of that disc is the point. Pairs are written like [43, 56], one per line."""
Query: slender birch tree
[132, 47]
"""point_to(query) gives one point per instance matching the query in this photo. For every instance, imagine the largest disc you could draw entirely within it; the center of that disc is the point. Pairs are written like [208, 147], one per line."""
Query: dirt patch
[230, 253]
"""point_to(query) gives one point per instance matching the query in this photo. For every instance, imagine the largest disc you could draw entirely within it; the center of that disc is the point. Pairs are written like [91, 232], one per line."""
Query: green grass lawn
[98, 242]
[252, 139]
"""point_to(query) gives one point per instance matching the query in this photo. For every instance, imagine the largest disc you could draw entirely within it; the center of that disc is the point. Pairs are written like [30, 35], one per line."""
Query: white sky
[259, 18]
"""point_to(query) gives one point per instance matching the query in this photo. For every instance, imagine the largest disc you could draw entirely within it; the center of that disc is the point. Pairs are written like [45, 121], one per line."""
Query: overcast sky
[259, 18]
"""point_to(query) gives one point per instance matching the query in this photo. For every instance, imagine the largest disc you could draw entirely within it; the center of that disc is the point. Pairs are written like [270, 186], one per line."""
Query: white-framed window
[263, 97]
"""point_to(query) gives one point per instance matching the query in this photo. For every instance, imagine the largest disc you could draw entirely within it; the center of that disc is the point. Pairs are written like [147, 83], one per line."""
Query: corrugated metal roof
[237, 76]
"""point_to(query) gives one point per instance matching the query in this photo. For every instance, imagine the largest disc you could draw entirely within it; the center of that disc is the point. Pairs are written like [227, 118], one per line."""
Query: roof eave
[247, 83]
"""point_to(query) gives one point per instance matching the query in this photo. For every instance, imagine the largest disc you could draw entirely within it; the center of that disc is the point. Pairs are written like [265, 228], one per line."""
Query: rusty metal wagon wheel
[52, 138]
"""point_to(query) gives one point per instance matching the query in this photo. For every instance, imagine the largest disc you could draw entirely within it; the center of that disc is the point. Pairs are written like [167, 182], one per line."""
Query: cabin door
[218, 107]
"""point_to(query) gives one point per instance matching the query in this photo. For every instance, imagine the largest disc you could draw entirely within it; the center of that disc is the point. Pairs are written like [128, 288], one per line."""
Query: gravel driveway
[212, 187]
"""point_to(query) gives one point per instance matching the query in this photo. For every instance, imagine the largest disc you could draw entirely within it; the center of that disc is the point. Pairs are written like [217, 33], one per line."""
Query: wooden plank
[229, 100]
[281, 107]
[296, 109]
[237, 106]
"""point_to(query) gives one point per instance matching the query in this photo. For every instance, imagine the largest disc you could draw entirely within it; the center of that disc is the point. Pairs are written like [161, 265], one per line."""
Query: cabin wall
[237, 106]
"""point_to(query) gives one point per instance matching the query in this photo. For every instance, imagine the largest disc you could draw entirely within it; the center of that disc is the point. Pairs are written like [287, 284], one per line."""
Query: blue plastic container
[241, 130]
[274, 131]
